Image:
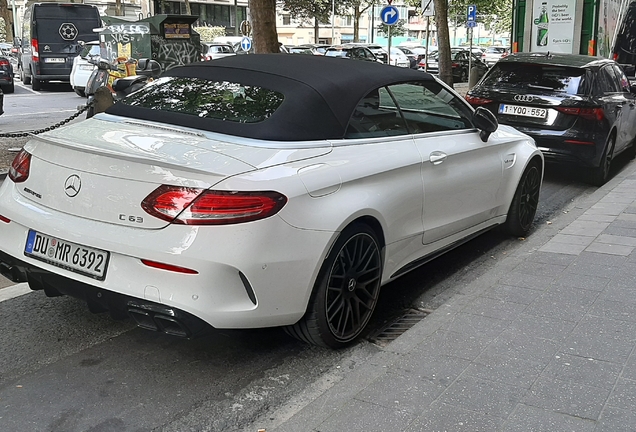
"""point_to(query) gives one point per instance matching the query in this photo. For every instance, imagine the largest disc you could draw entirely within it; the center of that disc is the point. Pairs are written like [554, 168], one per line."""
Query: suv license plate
[80, 259]
[523, 111]
[54, 60]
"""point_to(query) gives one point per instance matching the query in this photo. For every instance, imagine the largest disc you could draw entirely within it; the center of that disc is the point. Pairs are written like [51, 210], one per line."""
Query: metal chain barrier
[55, 126]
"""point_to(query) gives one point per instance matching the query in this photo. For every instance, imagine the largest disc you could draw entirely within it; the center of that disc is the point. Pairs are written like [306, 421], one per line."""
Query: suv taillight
[595, 114]
[35, 50]
[193, 206]
[20, 167]
[4, 62]
[474, 100]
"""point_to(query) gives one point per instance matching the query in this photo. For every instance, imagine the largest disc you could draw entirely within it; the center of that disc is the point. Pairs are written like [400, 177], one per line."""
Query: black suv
[579, 109]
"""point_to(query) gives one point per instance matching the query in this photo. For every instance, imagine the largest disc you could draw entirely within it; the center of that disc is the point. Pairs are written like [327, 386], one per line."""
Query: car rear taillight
[4, 62]
[193, 206]
[20, 167]
[455, 65]
[168, 267]
[35, 51]
[474, 100]
[595, 114]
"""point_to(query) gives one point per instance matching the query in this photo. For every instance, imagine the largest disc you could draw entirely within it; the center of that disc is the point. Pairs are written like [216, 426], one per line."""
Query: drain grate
[391, 331]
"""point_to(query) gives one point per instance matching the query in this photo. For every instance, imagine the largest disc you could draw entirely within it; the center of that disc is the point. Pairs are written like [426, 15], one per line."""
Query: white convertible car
[262, 190]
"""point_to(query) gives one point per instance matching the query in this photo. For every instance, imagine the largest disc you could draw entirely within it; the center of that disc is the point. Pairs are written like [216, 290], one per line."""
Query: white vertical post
[333, 20]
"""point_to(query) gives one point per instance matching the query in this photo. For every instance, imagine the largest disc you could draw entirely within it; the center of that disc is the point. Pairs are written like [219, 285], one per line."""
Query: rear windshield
[520, 76]
[89, 49]
[207, 99]
[336, 53]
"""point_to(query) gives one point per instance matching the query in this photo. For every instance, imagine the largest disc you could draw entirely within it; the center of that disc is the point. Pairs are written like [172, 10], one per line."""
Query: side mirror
[485, 121]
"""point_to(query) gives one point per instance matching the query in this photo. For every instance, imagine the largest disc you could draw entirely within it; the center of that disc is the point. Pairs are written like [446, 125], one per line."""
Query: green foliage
[209, 33]
[308, 10]
[398, 29]
[486, 12]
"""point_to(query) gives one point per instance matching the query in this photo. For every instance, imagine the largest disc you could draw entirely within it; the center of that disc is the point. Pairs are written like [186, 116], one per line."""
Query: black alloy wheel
[600, 174]
[346, 291]
[525, 202]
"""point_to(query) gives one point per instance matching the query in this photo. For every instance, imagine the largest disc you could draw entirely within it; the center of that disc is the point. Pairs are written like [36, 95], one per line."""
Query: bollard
[474, 77]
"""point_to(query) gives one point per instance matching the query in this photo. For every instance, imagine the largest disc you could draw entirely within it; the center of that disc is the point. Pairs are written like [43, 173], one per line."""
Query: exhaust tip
[143, 319]
[171, 326]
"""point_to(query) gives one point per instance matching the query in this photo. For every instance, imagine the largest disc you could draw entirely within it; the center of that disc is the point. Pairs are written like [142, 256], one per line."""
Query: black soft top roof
[320, 93]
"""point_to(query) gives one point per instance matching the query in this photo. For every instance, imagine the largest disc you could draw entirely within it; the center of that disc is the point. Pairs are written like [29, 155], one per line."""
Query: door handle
[437, 157]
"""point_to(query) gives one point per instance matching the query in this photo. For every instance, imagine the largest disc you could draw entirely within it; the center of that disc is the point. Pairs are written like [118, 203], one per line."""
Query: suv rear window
[227, 101]
[537, 77]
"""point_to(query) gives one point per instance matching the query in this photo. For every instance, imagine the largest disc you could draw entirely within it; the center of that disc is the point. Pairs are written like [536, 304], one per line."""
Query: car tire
[36, 84]
[8, 88]
[79, 92]
[524, 202]
[600, 174]
[26, 79]
[346, 290]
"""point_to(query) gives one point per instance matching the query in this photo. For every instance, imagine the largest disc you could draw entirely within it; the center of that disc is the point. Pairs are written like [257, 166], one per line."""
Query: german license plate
[54, 60]
[80, 259]
[523, 111]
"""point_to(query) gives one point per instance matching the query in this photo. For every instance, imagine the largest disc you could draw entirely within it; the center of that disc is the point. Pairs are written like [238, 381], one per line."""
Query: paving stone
[624, 395]
[615, 419]
[589, 345]
[540, 269]
[589, 269]
[622, 311]
[629, 370]
[511, 294]
[456, 344]
[364, 416]
[549, 328]
[563, 302]
[619, 240]
[595, 258]
[496, 309]
[605, 248]
[532, 419]
[567, 397]
[563, 248]
[430, 365]
[508, 370]
[537, 282]
[550, 258]
[581, 370]
[515, 343]
[581, 240]
[598, 218]
[626, 222]
[586, 282]
[470, 323]
[607, 208]
[444, 417]
[613, 230]
[488, 397]
[585, 228]
[400, 392]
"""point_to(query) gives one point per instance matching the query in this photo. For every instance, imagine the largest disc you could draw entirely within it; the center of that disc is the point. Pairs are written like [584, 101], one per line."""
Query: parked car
[317, 49]
[377, 50]
[493, 54]
[82, 68]
[247, 192]
[215, 50]
[412, 56]
[1, 102]
[398, 57]
[7, 83]
[351, 52]
[459, 63]
[293, 49]
[579, 109]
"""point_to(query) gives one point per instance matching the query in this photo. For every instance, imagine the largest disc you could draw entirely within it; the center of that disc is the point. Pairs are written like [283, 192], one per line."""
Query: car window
[622, 79]
[429, 107]
[89, 49]
[537, 77]
[376, 116]
[608, 83]
[224, 100]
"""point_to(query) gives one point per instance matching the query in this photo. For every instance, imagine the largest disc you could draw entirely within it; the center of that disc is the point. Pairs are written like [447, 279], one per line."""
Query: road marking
[37, 113]
[14, 291]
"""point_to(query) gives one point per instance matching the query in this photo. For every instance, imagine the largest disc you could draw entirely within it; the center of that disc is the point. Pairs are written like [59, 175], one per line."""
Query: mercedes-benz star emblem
[68, 31]
[524, 98]
[72, 185]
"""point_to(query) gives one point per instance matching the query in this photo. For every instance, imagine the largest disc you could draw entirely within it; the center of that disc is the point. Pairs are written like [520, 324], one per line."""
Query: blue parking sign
[472, 13]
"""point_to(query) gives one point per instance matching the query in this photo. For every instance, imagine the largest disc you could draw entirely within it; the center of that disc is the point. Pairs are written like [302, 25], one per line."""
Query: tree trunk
[118, 8]
[443, 41]
[263, 14]
[8, 19]
[356, 23]
[316, 30]
[188, 11]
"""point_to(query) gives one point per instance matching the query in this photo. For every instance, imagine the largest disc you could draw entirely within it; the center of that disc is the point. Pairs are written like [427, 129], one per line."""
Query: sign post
[428, 10]
[389, 15]
[471, 23]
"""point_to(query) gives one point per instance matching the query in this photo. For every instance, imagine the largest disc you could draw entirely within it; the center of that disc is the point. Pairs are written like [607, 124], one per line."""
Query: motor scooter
[119, 80]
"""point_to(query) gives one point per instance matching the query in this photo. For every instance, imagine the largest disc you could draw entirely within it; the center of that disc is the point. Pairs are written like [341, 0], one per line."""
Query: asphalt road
[65, 369]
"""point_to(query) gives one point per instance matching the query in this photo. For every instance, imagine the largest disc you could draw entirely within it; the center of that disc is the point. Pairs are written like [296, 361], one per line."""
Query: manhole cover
[391, 331]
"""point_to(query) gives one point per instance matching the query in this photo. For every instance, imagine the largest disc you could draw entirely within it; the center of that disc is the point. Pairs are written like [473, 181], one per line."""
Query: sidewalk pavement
[545, 341]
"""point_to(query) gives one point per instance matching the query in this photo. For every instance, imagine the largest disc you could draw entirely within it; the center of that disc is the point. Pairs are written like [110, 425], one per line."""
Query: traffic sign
[471, 24]
[246, 28]
[246, 44]
[389, 15]
[472, 13]
[428, 8]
